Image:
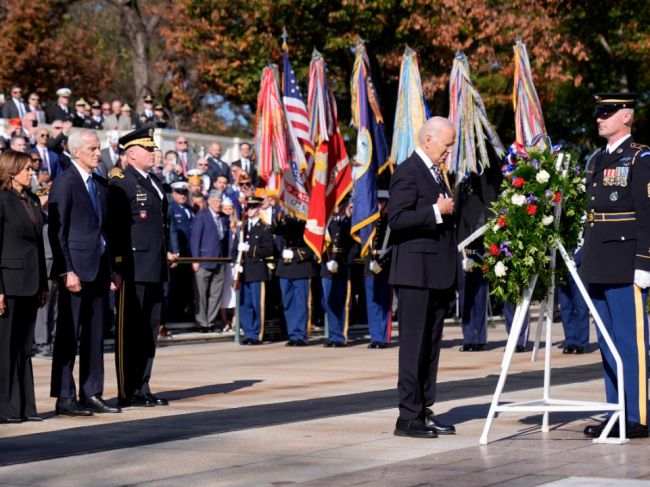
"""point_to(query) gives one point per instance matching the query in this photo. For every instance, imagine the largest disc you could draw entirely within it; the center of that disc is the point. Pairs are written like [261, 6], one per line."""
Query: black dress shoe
[480, 347]
[301, 343]
[414, 428]
[68, 406]
[431, 423]
[291, 343]
[35, 418]
[96, 404]
[253, 341]
[10, 420]
[579, 350]
[468, 347]
[157, 401]
[520, 349]
[569, 350]
[378, 345]
[328, 344]
[632, 430]
[245, 341]
[372, 345]
[137, 401]
[331, 344]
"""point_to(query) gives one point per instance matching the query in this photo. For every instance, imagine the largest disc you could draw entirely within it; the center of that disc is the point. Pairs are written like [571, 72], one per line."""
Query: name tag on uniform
[141, 197]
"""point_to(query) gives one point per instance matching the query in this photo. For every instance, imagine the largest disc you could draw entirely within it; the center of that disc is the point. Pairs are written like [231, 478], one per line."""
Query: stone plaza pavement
[277, 416]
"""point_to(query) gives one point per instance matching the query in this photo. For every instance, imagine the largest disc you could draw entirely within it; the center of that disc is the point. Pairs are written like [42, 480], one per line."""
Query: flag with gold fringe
[372, 150]
[529, 122]
[469, 117]
[270, 131]
[411, 111]
[331, 178]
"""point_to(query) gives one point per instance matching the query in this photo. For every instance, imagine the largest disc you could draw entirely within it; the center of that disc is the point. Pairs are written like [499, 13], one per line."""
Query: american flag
[297, 117]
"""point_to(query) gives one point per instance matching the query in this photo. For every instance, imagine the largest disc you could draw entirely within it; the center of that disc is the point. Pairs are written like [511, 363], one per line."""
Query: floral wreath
[523, 227]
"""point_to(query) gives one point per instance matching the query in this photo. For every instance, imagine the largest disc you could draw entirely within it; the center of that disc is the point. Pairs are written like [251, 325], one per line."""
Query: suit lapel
[78, 180]
[427, 175]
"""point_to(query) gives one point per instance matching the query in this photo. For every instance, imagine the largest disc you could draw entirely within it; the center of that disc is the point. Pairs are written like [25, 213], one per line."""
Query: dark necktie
[435, 169]
[92, 192]
[217, 221]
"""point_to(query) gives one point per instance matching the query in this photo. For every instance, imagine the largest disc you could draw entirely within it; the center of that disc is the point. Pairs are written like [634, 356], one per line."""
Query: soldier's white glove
[468, 264]
[238, 269]
[332, 266]
[642, 278]
[243, 247]
[287, 254]
[374, 267]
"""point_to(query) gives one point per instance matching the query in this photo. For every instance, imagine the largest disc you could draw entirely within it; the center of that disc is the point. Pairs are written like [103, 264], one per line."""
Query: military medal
[614, 196]
[609, 175]
[621, 176]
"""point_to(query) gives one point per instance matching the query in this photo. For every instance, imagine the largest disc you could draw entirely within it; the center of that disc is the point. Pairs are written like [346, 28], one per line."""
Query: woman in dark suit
[23, 285]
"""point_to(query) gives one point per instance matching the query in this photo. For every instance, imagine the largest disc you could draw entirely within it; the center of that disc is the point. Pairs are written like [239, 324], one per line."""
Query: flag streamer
[270, 130]
[529, 121]
[411, 111]
[468, 115]
[331, 177]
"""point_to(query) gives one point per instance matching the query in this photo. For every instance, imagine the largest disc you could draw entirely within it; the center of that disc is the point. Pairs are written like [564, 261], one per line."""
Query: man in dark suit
[60, 111]
[78, 206]
[138, 225]
[186, 159]
[425, 271]
[246, 162]
[14, 107]
[210, 237]
[217, 167]
[49, 159]
[111, 154]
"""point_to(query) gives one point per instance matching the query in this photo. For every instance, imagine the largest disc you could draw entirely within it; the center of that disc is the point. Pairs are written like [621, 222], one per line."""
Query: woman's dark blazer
[22, 256]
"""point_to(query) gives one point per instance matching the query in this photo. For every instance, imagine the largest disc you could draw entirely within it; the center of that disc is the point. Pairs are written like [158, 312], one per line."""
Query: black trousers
[420, 313]
[80, 326]
[139, 313]
[17, 398]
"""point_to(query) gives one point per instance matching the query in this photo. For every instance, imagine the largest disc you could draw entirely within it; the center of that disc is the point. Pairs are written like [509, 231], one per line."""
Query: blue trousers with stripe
[335, 291]
[473, 305]
[622, 309]
[295, 298]
[379, 301]
[575, 314]
[251, 310]
[509, 313]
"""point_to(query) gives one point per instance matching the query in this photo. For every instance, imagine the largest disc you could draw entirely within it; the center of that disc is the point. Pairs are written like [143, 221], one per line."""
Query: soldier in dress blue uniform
[473, 299]
[254, 273]
[180, 298]
[138, 224]
[335, 273]
[295, 269]
[616, 260]
[379, 294]
[574, 313]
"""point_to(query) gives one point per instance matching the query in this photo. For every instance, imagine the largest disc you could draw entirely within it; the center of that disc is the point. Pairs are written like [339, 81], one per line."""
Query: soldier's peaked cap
[142, 137]
[612, 102]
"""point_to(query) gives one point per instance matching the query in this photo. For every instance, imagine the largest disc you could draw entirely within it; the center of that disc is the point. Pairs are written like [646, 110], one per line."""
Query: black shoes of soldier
[472, 347]
[432, 423]
[157, 401]
[573, 350]
[296, 343]
[332, 344]
[137, 401]
[379, 345]
[97, 405]
[69, 406]
[251, 341]
[632, 430]
[415, 428]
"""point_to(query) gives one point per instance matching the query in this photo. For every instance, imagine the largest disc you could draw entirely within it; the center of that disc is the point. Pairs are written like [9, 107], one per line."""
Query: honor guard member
[95, 121]
[253, 272]
[138, 220]
[295, 269]
[146, 118]
[616, 260]
[336, 276]
[180, 219]
[574, 313]
[473, 299]
[379, 295]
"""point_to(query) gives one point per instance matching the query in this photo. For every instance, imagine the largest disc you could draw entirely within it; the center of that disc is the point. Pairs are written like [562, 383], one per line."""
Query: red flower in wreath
[501, 221]
[518, 182]
[558, 197]
[531, 210]
[494, 250]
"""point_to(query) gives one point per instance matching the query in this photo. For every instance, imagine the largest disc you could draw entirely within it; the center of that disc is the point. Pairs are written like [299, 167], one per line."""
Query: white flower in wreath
[547, 220]
[496, 227]
[500, 269]
[518, 199]
[581, 188]
[542, 177]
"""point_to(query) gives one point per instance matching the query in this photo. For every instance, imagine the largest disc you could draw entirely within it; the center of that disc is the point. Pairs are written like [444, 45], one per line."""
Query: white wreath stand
[547, 404]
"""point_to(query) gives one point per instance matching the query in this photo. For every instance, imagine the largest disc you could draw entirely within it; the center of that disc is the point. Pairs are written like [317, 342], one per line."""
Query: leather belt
[623, 216]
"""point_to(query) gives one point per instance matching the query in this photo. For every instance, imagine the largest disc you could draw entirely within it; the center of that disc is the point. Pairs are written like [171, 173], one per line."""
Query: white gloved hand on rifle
[374, 267]
[243, 247]
[332, 266]
[238, 269]
[287, 254]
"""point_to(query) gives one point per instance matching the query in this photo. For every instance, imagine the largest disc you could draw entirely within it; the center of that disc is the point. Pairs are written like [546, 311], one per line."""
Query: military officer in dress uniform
[253, 272]
[336, 276]
[295, 269]
[146, 118]
[138, 222]
[180, 219]
[379, 295]
[473, 299]
[96, 120]
[616, 260]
